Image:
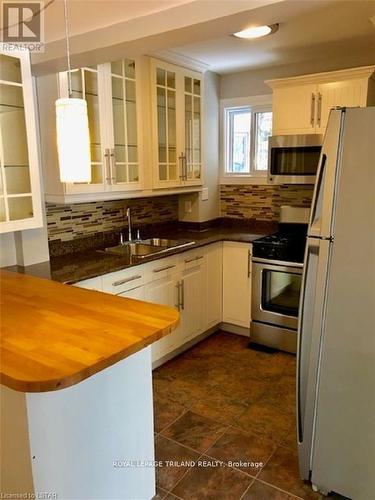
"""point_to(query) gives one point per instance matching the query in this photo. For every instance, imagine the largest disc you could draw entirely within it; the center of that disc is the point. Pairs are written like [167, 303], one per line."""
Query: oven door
[293, 159]
[276, 288]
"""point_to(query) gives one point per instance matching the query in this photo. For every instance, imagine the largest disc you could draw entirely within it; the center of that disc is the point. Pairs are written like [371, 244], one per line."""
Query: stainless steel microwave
[293, 159]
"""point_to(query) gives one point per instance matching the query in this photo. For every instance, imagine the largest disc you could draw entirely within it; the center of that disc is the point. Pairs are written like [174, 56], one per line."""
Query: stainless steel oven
[293, 159]
[276, 287]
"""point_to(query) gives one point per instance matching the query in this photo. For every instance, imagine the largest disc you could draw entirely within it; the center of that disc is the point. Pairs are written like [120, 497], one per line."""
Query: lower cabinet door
[237, 283]
[193, 301]
[164, 291]
[214, 295]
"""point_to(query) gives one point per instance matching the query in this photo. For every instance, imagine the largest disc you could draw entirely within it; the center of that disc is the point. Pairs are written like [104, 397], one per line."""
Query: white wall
[8, 255]
[249, 83]
[203, 210]
[24, 247]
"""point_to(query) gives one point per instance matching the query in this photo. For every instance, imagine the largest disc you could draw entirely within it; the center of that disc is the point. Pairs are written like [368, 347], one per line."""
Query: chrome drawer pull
[194, 259]
[127, 280]
[163, 269]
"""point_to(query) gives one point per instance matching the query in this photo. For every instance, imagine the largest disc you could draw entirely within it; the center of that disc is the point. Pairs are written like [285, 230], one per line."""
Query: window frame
[254, 104]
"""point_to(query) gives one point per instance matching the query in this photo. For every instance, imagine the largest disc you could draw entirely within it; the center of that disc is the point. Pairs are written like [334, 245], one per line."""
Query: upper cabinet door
[87, 84]
[176, 100]
[20, 197]
[166, 112]
[123, 125]
[350, 93]
[192, 168]
[294, 110]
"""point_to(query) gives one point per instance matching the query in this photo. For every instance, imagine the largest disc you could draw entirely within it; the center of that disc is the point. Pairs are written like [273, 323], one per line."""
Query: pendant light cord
[67, 48]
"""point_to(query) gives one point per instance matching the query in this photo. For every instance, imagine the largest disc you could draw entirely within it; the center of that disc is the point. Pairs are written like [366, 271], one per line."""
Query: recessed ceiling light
[257, 31]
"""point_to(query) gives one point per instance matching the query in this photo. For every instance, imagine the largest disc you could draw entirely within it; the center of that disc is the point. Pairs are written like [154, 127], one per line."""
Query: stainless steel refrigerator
[336, 333]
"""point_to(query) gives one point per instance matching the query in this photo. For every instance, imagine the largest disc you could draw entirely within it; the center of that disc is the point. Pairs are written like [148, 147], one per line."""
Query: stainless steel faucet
[128, 215]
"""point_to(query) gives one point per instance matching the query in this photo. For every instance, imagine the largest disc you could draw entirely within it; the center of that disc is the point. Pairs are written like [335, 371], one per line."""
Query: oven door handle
[293, 267]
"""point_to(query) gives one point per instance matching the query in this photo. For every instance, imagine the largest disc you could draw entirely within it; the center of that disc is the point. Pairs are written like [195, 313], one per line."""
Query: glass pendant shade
[73, 140]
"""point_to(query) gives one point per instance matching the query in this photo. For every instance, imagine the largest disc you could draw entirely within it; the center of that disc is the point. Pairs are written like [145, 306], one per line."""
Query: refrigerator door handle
[307, 287]
[312, 304]
[316, 206]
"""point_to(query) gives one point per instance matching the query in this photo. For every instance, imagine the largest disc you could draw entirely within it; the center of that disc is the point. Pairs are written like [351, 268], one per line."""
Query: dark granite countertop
[90, 263]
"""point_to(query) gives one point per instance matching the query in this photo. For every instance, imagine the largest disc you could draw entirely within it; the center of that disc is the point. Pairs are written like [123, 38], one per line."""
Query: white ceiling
[309, 29]
[88, 15]
[200, 30]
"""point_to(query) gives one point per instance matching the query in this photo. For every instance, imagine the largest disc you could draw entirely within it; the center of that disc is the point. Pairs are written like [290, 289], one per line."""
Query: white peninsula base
[93, 440]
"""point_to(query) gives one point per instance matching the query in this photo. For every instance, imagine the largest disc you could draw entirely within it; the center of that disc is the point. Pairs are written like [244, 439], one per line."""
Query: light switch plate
[204, 194]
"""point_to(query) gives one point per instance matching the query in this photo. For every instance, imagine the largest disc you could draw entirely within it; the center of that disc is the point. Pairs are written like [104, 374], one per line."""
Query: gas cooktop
[288, 244]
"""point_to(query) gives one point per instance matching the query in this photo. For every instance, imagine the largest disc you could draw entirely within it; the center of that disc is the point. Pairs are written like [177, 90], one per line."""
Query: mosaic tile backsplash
[78, 220]
[261, 202]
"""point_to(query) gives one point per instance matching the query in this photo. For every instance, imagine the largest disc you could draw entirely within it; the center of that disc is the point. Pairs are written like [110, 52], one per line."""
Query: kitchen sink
[147, 247]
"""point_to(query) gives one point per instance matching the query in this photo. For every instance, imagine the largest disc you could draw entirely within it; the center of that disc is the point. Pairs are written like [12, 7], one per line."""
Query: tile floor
[225, 414]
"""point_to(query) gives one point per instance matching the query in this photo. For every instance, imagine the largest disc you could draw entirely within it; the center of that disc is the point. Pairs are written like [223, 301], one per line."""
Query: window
[246, 132]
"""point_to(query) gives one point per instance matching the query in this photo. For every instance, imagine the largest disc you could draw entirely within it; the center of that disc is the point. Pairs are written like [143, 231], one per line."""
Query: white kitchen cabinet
[113, 95]
[193, 294]
[350, 93]
[91, 284]
[237, 283]
[214, 284]
[20, 196]
[176, 103]
[164, 291]
[124, 280]
[294, 109]
[301, 105]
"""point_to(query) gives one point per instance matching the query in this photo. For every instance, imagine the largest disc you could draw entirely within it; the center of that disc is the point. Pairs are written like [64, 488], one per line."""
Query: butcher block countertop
[54, 336]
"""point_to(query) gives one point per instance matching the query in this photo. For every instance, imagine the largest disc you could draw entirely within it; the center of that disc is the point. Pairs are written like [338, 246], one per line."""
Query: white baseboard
[238, 330]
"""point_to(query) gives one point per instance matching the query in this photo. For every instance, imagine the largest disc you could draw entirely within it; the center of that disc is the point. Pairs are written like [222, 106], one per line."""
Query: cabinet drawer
[160, 268]
[91, 284]
[193, 258]
[121, 281]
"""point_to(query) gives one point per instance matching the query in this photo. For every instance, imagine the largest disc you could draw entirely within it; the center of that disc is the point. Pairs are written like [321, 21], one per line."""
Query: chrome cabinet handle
[194, 259]
[178, 286]
[112, 165]
[319, 119]
[182, 294]
[312, 115]
[163, 269]
[127, 280]
[249, 263]
[181, 160]
[107, 166]
[184, 162]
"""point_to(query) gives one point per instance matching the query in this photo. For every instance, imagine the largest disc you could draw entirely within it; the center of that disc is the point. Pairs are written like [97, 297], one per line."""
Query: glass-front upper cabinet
[20, 197]
[177, 124]
[193, 124]
[123, 136]
[111, 93]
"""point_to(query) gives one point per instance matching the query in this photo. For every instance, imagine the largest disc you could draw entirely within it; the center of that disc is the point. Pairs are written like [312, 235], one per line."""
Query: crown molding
[181, 60]
[326, 77]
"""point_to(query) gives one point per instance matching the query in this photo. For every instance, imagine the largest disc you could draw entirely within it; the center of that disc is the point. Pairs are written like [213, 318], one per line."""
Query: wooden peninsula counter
[76, 394]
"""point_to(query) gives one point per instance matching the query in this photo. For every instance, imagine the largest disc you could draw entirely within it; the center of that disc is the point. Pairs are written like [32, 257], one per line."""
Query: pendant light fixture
[72, 127]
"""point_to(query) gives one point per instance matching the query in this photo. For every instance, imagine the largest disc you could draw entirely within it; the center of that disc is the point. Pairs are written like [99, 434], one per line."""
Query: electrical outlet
[204, 194]
[188, 207]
